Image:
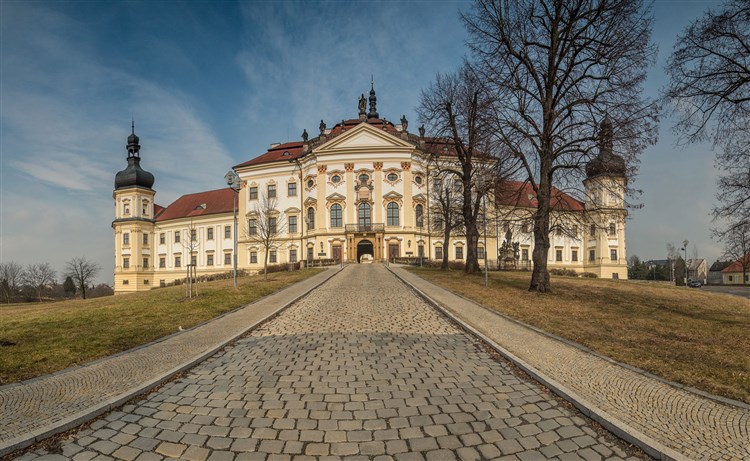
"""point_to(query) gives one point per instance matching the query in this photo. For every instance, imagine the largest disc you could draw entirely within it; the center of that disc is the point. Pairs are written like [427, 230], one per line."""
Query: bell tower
[605, 185]
[134, 223]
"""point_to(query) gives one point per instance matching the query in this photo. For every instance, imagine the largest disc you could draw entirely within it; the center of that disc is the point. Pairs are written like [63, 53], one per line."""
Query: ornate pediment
[364, 137]
[336, 197]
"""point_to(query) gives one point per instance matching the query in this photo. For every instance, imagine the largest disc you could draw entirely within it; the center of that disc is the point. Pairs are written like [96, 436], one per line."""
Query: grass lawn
[53, 336]
[696, 338]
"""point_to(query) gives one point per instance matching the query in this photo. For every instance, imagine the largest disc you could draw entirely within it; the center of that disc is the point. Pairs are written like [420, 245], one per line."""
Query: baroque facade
[362, 187]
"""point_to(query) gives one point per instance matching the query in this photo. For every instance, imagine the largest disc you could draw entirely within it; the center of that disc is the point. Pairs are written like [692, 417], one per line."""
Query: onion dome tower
[607, 162]
[134, 222]
[605, 184]
[133, 174]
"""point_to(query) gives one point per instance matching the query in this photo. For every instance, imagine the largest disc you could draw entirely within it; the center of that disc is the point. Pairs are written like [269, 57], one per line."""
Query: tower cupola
[606, 162]
[133, 174]
[373, 101]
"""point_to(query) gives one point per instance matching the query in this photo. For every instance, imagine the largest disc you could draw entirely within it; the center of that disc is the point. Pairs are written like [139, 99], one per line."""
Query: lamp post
[486, 271]
[684, 248]
[235, 183]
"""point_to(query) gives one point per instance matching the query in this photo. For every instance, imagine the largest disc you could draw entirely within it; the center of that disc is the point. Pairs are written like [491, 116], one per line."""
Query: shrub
[564, 272]
[589, 275]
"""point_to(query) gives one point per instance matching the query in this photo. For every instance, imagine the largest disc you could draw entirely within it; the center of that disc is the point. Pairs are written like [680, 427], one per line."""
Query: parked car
[695, 284]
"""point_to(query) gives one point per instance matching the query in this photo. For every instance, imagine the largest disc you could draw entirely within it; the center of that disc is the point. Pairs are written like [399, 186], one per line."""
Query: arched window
[363, 215]
[311, 218]
[418, 215]
[336, 220]
[392, 214]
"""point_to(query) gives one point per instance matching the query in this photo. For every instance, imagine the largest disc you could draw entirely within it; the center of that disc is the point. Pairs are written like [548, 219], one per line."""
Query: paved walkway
[679, 423]
[360, 369]
[36, 409]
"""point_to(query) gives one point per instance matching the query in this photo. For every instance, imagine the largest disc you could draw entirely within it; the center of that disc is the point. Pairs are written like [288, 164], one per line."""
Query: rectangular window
[525, 254]
[613, 254]
[439, 253]
[592, 255]
[437, 184]
[615, 275]
[272, 226]
[145, 263]
[252, 193]
[459, 252]
[176, 237]
[145, 239]
[574, 255]
[252, 227]
[227, 259]
[558, 232]
[126, 282]
[145, 281]
[730, 278]
[210, 233]
[558, 255]
[162, 238]
[162, 283]
[227, 232]
[592, 230]
[480, 253]
[575, 231]
[193, 235]
[525, 228]
[177, 261]
[194, 260]
[253, 257]
[293, 256]
[291, 189]
[126, 238]
[272, 191]
[272, 257]
[292, 224]
[162, 263]
[126, 263]
[209, 260]
[612, 229]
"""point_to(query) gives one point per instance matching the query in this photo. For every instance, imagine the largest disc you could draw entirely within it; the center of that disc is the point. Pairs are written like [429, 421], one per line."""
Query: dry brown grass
[52, 336]
[693, 337]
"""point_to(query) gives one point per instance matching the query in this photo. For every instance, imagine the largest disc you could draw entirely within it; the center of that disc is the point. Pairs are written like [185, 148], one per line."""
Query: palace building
[361, 187]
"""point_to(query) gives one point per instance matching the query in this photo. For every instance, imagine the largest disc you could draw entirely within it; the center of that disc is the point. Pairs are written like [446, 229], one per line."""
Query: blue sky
[212, 84]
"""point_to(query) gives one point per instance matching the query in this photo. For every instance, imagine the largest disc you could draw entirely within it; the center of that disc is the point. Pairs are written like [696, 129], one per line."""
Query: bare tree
[263, 227]
[445, 200]
[458, 110]
[82, 271]
[557, 68]
[11, 278]
[709, 85]
[38, 276]
[737, 246]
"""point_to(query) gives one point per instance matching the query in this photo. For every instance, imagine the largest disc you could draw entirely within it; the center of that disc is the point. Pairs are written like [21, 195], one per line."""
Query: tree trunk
[540, 275]
[446, 242]
[472, 242]
[83, 290]
[265, 266]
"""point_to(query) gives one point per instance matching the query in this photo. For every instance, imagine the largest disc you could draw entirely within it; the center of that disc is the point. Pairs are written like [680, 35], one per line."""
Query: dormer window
[286, 154]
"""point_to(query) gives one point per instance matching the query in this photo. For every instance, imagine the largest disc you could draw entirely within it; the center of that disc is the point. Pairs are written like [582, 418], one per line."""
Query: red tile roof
[521, 194]
[283, 152]
[158, 210]
[351, 123]
[737, 265]
[199, 204]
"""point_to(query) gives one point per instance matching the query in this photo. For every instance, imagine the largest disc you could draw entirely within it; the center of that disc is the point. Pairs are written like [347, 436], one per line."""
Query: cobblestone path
[361, 369]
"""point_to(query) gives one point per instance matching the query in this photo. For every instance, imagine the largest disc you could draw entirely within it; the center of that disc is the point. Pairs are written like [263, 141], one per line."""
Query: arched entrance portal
[365, 248]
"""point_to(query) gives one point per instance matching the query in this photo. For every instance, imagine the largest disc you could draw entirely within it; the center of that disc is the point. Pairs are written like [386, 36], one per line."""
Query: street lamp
[235, 183]
[684, 248]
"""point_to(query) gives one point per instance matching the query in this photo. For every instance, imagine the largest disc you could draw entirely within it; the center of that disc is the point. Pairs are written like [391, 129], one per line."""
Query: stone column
[350, 216]
[320, 214]
[377, 193]
[408, 214]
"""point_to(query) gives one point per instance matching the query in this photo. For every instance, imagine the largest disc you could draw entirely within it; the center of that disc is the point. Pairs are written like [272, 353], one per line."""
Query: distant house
[714, 272]
[734, 275]
[697, 270]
